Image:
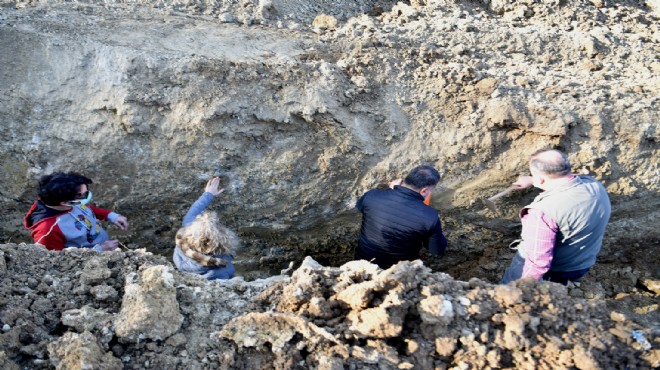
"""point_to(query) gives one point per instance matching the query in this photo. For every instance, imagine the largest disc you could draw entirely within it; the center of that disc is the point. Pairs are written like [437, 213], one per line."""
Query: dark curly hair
[60, 187]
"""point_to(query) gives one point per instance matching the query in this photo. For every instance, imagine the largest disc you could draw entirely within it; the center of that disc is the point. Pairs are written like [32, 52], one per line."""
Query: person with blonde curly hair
[205, 246]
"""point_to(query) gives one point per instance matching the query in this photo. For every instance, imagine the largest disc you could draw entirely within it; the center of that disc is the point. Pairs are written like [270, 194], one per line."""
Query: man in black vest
[396, 223]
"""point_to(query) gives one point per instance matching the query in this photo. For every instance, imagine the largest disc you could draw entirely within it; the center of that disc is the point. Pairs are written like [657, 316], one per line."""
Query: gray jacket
[581, 209]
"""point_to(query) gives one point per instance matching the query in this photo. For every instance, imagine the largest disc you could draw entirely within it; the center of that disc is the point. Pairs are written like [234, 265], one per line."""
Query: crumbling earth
[79, 309]
[302, 106]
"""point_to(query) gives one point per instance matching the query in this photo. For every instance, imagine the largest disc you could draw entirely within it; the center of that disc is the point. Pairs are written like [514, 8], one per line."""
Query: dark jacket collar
[408, 192]
[38, 212]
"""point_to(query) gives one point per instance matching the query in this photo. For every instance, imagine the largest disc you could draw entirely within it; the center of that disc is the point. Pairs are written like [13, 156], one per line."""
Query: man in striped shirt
[563, 228]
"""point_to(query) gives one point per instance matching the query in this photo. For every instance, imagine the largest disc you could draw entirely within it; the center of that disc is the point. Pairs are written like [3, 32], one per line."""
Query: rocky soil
[301, 106]
[82, 310]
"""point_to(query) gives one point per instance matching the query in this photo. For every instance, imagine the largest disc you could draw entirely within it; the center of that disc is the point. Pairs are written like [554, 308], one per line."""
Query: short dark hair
[551, 162]
[60, 187]
[422, 176]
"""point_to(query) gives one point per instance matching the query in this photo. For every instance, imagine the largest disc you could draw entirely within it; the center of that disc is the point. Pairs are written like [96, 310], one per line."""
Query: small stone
[325, 22]
[104, 292]
[226, 18]
[617, 316]
[652, 285]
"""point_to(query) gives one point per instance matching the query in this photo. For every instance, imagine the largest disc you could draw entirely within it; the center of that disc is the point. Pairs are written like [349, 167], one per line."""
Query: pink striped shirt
[538, 233]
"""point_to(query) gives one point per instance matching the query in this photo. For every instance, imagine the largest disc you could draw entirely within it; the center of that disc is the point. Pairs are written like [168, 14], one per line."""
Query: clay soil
[131, 310]
[301, 107]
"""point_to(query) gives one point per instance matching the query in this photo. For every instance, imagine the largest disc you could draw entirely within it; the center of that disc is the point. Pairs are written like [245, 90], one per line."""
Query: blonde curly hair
[208, 236]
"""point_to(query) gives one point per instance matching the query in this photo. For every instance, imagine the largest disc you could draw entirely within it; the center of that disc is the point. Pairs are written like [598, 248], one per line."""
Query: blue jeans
[514, 272]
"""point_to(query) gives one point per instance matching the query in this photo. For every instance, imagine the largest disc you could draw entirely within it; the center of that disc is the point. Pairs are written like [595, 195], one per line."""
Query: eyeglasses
[80, 197]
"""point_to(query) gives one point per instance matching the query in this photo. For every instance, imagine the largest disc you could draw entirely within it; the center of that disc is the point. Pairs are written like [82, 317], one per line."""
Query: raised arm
[211, 190]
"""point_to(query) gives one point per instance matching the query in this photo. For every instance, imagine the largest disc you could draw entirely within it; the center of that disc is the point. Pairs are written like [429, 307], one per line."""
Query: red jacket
[77, 227]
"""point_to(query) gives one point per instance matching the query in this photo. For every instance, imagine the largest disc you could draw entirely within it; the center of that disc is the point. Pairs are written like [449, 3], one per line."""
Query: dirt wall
[301, 115]
[300, 107]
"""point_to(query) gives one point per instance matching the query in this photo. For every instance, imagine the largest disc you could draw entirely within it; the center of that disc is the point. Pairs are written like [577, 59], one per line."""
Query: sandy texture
[300, 107]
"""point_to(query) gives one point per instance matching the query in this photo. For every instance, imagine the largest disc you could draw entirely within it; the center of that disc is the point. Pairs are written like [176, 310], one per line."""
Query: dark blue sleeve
[198, 207]
[360, 202]
[437, 242]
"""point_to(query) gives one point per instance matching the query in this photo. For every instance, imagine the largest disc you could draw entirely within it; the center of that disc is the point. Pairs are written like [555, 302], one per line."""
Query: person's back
[396, 224]
[581, 209]
[203, 245]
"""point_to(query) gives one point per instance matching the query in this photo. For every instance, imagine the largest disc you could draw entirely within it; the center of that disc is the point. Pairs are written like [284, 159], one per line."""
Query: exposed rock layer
[300, 114]
[302, 106]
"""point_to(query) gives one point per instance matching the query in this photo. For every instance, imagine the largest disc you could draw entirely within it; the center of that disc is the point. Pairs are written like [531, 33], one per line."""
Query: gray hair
[551, 162]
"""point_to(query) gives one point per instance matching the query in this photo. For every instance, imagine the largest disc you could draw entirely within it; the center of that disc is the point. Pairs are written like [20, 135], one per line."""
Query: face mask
[82, 202]
[86, 200]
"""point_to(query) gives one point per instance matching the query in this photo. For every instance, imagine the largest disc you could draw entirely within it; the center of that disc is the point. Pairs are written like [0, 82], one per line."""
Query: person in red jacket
[62, 216]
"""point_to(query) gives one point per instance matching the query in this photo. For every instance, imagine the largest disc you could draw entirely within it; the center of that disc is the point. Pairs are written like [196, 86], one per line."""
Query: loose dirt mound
[79, 309]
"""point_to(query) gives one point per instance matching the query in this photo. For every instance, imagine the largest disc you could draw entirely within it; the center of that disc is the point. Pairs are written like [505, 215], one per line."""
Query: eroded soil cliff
[300, 107]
